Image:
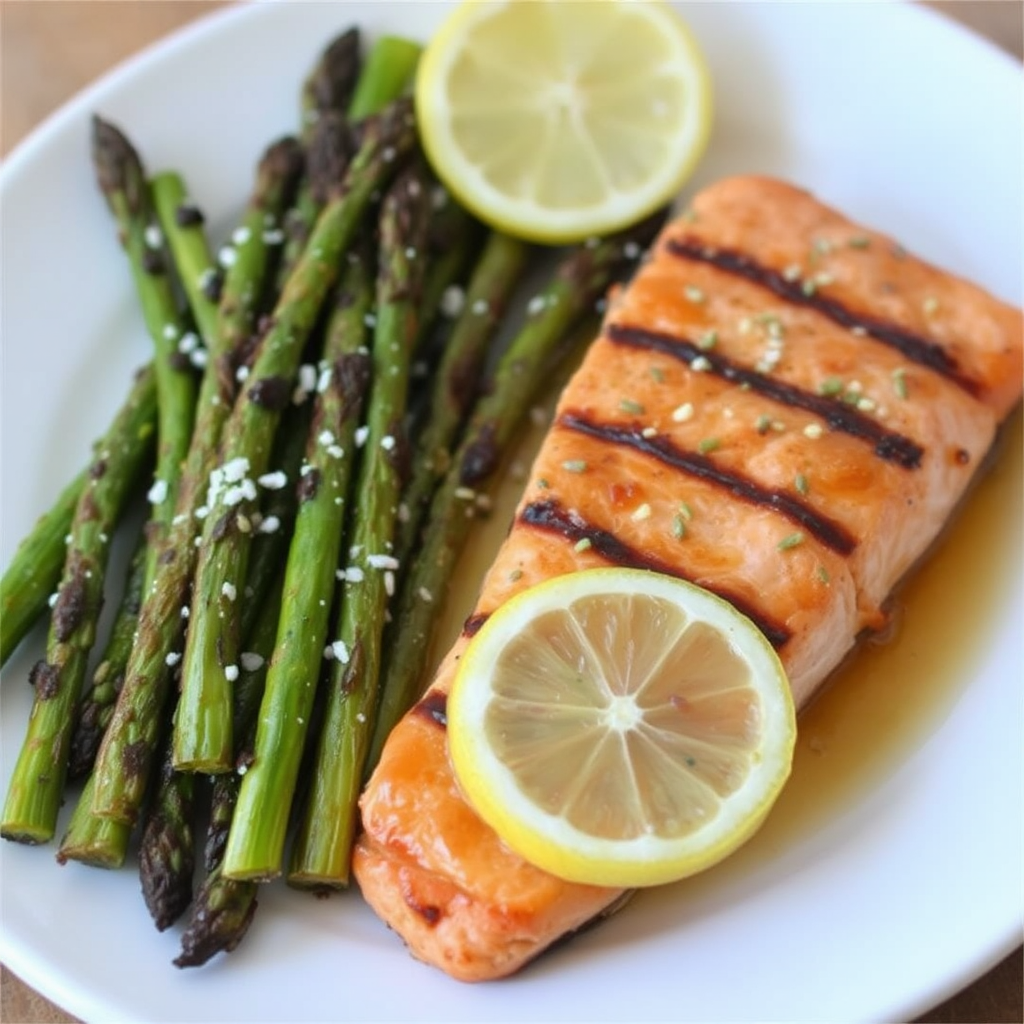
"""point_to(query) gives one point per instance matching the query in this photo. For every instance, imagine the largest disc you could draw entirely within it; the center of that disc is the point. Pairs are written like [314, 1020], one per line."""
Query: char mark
[915, 347]
[550, 516]
[832, 534]
[434, 708]
[888, 444]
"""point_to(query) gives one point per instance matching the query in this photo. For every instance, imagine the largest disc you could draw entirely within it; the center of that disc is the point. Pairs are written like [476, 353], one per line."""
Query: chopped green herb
[515, 574]
[628, 405]
[708, 445]
[808, 286]
[658, 374]
[707, 341]
[543, 483]
[764, 424]
[859, 242]
[830, 386]
[574, 466]
[678, 527]
[792, 541]
[693, 293]
[801, 483]
[583, 543]
[823, 574]
[685, 511]
[899, 382]
[930, 305]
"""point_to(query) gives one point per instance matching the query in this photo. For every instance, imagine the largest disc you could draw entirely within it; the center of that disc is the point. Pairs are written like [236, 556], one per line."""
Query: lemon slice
[555, 121]
[619, 727]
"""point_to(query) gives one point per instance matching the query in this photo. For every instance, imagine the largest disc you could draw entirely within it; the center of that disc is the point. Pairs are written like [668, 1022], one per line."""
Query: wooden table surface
[50, 50]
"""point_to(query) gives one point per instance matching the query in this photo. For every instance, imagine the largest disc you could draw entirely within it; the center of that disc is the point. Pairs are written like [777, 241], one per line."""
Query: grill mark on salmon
[887, 444]
[829, 532]
[551, 516]
[916, 348]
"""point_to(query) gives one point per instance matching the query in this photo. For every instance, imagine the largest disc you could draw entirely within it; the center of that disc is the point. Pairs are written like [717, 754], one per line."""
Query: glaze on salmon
[783, 407]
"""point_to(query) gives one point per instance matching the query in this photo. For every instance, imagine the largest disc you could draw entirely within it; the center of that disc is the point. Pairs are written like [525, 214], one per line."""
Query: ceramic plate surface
[898, 897]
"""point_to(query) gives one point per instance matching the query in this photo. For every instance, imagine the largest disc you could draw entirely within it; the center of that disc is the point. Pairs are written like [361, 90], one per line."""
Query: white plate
[898, 897]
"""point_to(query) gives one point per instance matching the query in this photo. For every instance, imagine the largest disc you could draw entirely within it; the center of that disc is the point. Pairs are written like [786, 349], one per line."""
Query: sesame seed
[387, 443]
[227, 257]
[172, 659]
[389, 583]
[251, 661]
[865, 404]
[930, 305]
[382, 561]
[153, 236]
[170, 332]
[465, 493]
[641, 513]
[362, 433]
[273, 236]
[701, 364]
[185, 611]
[228, 590]
[230, 673]
[792, 272]
[536, 305]
[157, 494]
[270, 524]
[425, 595]
[241, 235]
[683, 413]
[649, 432]
[693, 293]
[273, 481]
[52, 599]
[353, 574]
[480, 307]
[813, 430]
[453, 299]
[188, 343]
[339, 649]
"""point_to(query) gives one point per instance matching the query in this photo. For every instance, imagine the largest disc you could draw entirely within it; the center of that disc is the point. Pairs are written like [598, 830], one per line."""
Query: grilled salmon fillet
[783, 407]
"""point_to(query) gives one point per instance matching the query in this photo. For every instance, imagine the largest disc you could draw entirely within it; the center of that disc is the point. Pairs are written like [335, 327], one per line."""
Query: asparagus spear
[97, 702]
[581, 278]
[122, 180]
[256, 841]
[98, 842]
[36, 786]
[223, 908]
[456, 381]
[390, 66]
[35, 569]
[327, 91]
[321, 852]
[203, 733]
[125, 757]
[181, 224]
[167, 846]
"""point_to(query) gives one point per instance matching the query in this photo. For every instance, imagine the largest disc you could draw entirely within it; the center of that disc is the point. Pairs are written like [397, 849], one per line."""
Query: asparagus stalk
[122, 179]
[455, 385]
[580, 279]
[167, 846]
[327, 91]
[125, 757]
[203, 737]
[35, 569]
[256, 841]
[98, 701]
[36, 786]
[223, 908]
[321, 852]
[181, 224]
[98, 842]
[390, 66]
